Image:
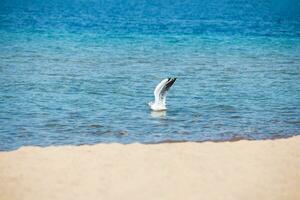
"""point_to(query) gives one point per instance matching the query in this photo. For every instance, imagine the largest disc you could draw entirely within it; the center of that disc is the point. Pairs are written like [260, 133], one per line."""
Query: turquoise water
[82, 72]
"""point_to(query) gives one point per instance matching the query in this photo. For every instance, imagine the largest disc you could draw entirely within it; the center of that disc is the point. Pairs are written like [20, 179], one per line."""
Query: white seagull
[160, 94]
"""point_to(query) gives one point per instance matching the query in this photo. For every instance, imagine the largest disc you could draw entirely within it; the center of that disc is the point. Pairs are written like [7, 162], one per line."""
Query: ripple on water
[73, 83]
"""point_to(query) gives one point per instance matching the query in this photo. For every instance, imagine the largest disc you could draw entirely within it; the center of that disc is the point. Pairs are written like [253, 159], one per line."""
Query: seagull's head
[150, 103]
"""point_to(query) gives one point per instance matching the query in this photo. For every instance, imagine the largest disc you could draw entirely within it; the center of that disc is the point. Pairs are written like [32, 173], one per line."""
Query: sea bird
[160, 94]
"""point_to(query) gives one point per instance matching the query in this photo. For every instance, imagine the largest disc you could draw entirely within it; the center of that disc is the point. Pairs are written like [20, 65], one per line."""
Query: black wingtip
[172, 79]
[170, 82]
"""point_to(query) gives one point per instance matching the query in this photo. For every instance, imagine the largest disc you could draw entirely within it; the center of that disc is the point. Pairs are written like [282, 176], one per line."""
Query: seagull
[160, 94]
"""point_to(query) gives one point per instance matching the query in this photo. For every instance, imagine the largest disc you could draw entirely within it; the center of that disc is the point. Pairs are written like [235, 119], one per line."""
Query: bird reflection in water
[158, 114]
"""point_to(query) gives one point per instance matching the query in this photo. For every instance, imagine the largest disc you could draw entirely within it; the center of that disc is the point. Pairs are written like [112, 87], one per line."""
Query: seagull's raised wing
[161, 89]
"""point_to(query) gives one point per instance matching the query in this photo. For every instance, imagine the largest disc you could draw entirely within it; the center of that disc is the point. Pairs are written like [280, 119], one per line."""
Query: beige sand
[227, 170]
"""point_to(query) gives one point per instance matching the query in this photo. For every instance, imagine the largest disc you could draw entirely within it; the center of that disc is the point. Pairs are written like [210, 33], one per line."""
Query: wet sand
[268, 169]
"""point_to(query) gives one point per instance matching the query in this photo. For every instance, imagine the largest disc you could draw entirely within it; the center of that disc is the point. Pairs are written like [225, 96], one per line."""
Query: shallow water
[82, 72]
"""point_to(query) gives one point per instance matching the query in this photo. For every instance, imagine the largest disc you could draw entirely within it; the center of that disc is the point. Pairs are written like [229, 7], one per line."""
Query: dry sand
[227, 170]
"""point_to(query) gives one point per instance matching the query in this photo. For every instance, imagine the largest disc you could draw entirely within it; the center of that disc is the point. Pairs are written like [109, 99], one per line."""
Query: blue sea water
[83, 71]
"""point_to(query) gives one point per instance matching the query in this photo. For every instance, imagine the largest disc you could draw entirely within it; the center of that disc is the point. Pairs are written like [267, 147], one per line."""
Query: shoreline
[234, 139]
[244, 169]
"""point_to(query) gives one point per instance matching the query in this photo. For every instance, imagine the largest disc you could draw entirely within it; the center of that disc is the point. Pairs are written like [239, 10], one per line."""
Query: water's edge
[237, 139]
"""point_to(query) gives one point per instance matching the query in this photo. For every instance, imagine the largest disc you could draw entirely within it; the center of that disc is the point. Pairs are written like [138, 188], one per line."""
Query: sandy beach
[224, 170]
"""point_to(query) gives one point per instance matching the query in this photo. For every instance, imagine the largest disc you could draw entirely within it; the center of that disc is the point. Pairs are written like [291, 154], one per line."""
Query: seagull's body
[160, 94]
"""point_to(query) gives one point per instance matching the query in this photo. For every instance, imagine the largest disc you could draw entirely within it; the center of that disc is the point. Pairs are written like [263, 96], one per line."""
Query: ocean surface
[82, 71]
